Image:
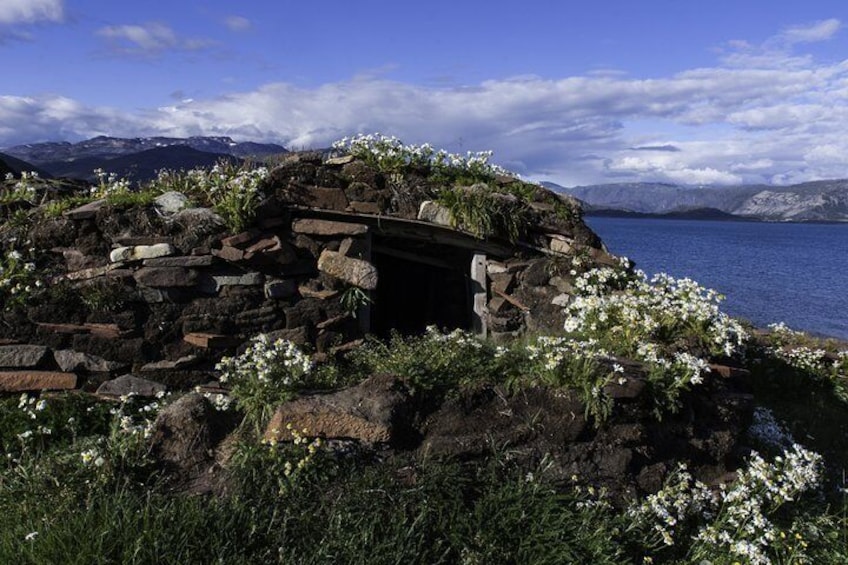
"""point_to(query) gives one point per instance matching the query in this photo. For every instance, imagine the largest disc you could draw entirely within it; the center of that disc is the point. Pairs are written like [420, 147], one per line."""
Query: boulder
[184, 438]
[171, 202]
[435, 213]
[374, 411]
[353, 271]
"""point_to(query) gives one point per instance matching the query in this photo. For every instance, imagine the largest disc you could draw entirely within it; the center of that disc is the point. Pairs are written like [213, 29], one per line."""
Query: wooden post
[478, 294]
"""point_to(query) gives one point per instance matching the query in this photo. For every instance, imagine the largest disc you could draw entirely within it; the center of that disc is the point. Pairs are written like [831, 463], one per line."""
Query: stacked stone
[191, 293]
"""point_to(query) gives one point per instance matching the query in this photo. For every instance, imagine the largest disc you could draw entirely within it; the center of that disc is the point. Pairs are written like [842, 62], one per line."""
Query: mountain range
[136, 158]
[140, 158]
[818, 201]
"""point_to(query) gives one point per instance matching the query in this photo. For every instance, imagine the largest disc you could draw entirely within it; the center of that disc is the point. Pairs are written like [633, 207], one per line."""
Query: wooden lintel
[406, 255]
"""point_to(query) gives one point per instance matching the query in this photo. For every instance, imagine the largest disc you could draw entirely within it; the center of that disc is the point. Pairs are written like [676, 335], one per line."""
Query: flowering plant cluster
[390, 154]
[735, 522]
[234, 191]
[25, 188]
[18, 279]
[661, 310]
[668, 323]
[434, 360]
[815, 362]
[265, 375]
[109, 184]
[581, 365]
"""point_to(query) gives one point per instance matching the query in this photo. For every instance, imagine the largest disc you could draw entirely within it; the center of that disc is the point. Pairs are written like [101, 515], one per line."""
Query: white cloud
[818, 31]
[30, 11]
[151, 38]
[738, 121]
[237, 23]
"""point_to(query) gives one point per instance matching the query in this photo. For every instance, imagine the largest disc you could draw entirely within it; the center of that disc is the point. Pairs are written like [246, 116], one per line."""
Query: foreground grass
[356, 514]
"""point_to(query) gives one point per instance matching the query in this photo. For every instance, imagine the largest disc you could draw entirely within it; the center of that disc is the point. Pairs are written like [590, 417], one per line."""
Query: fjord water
[769, 272]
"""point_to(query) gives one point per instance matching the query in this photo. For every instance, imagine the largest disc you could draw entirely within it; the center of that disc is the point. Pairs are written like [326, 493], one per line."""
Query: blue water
[794, 273]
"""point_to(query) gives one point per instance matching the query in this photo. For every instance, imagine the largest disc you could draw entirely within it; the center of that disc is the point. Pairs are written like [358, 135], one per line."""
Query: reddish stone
[240, 239]
[208, 340]
[228, 253]
[21, 381]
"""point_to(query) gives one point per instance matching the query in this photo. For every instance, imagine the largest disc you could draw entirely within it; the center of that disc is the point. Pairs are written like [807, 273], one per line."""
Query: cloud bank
[763, 113]
[30, 11]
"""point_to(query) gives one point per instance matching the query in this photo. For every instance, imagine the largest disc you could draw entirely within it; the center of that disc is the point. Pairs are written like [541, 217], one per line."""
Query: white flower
[30, 536]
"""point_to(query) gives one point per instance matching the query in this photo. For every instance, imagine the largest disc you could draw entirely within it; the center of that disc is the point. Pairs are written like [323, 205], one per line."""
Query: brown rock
[371, 412]
[321, 197]
[184, 439]
[538, 419]
[354, 271]
[502, 282]
[86, 274]
[228, 253]
[262, 244]
[21, 381]
[240, 239]
[307, 292]
[211, 341]
[312, 226]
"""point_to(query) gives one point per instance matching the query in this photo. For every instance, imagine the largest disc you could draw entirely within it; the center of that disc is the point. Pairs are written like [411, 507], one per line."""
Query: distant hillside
[105, 147]
[141, 166]
[811, 201]
[4, 168]
[9, 164]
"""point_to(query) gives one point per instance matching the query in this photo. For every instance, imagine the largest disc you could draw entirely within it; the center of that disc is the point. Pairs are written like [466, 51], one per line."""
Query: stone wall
[163, 291]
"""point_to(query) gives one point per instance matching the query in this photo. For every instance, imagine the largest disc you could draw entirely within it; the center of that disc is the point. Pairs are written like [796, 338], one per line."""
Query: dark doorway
[416, 290]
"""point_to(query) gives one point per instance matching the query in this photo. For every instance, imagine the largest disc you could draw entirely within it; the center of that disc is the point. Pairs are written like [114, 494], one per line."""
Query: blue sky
[570, 91]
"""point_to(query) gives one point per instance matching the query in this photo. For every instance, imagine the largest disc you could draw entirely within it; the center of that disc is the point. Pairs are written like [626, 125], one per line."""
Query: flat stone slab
[240, 239]
[92, 273]
[168, 365]
[166, 276]
[354, 271]
[343, 160]
[208, 340]
[22, 356]
[189, 261]
[311, 226]
[22, 381]
[86, 211]
[71, 361]
[229, 253]
[130, 384]
[247, 279]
